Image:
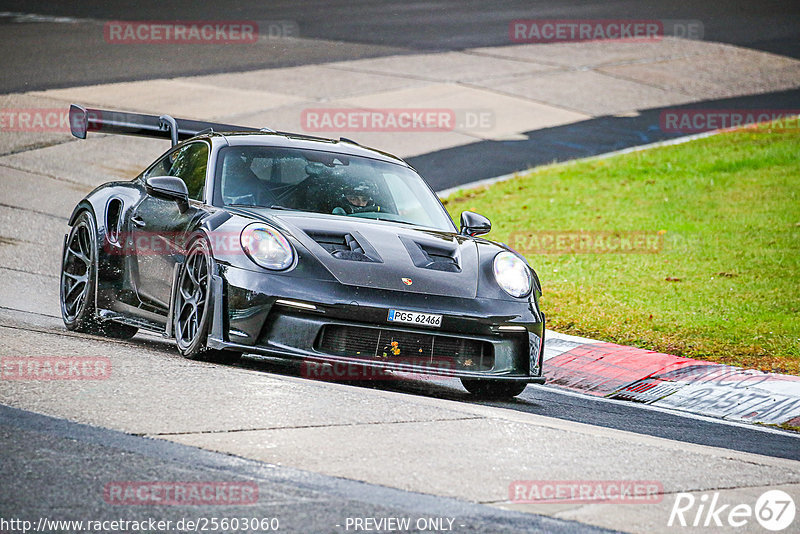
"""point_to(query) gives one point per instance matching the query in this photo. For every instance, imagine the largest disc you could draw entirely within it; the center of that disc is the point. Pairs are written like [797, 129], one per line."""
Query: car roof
[290, 140]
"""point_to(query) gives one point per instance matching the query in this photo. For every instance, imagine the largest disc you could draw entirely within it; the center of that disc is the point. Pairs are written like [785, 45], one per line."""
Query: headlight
[267, 247]
[512, 274]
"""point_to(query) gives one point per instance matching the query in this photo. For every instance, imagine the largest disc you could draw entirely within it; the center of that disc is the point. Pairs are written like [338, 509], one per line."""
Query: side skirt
[109, 315]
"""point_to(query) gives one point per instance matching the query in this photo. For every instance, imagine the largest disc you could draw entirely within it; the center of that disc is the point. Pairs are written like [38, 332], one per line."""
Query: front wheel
[493, 389]
[78, 279]
[191, 311]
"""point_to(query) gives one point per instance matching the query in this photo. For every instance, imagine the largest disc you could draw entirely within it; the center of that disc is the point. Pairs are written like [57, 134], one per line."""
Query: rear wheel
[191, 317]
[78, 280]
[493, 389]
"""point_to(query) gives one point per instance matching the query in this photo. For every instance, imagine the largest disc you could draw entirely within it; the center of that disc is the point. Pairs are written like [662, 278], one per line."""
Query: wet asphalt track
[73, 462]
[54, 468]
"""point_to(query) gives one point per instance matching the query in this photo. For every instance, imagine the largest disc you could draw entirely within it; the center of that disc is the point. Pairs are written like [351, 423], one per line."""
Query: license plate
[421, 319]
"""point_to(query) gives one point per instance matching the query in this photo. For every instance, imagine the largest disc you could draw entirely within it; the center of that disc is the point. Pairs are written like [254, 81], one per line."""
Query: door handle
[138, 221]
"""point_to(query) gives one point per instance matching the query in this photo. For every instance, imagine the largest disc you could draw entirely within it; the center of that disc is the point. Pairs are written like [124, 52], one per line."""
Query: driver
[357, 199]
[359, 196]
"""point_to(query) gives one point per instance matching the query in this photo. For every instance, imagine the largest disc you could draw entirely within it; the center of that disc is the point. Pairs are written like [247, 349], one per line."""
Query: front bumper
[325, 321]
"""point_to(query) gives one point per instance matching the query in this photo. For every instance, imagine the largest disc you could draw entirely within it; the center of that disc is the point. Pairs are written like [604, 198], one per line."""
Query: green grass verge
[725, 283]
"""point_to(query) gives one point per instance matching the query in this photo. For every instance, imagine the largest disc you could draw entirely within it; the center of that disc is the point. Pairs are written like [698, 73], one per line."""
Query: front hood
[384, 255]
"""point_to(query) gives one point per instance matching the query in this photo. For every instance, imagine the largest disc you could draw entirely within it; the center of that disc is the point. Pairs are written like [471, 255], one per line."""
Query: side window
[189, 164]
[162, 167]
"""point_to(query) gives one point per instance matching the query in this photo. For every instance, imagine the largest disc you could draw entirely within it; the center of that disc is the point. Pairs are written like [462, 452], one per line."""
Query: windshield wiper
[394, 221]
[273, 207]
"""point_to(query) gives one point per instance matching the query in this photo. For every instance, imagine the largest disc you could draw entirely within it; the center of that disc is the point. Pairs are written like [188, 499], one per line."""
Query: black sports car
[239, 240]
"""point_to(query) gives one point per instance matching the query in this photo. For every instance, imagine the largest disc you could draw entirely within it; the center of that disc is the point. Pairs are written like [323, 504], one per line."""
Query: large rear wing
[83, 120]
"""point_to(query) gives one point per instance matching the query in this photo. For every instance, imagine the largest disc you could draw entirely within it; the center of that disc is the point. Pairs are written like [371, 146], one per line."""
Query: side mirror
[473, 224]
[169, 187]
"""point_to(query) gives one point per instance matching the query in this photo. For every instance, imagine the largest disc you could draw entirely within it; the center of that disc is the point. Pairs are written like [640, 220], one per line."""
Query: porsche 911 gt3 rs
[238, 240]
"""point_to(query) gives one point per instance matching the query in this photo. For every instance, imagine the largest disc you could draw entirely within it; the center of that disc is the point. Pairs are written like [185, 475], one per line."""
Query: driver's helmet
[358, 195]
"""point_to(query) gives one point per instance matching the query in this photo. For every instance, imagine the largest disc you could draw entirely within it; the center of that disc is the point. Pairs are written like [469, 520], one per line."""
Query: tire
[191, 318]
[493, 389]
[78, 281]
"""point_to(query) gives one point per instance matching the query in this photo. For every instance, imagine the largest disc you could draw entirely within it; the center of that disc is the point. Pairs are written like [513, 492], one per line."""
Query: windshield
[326, 182]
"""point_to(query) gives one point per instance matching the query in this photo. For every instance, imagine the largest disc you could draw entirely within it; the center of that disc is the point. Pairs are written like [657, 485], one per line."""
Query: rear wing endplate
[83, 120]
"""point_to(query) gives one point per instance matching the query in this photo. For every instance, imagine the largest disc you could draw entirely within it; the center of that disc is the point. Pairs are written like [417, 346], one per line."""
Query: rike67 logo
[774, 510]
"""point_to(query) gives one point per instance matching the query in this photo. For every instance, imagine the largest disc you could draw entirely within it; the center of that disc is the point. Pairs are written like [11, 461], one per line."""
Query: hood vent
[436, 256]
[346, 246]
